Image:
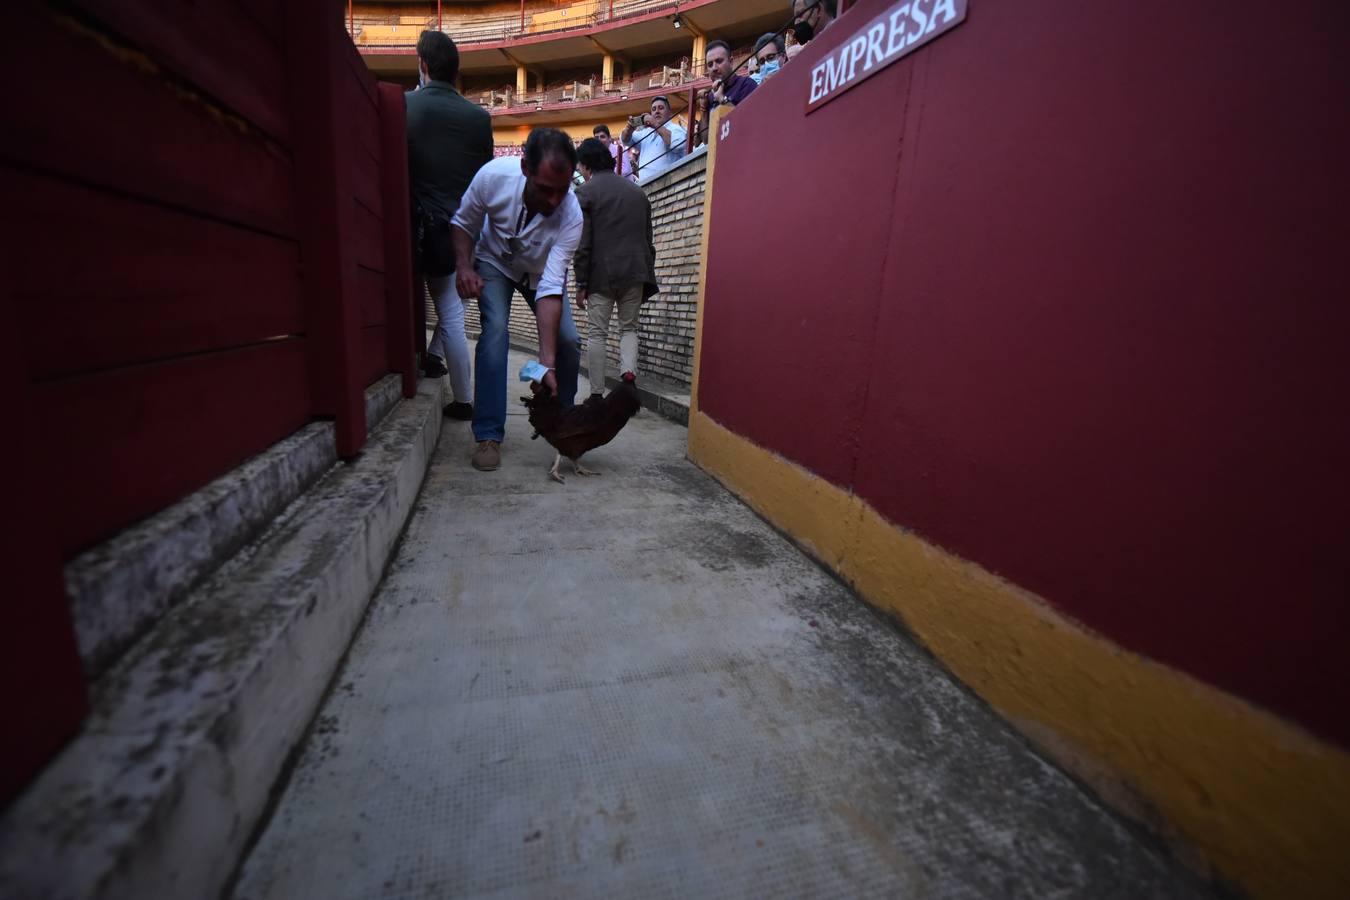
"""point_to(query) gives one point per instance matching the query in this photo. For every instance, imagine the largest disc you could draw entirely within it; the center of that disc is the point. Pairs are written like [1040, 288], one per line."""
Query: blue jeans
[494, 310]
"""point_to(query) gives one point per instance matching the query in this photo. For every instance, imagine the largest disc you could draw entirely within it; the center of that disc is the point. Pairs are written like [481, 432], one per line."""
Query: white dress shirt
[652, 156]
[491, 210]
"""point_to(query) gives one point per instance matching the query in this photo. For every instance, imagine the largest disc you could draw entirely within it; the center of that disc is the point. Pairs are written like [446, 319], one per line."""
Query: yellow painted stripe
[1265, 802]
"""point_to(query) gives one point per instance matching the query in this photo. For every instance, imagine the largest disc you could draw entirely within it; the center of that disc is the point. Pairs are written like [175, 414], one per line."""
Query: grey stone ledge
[159, 793]
[118, 589]
[381, 397]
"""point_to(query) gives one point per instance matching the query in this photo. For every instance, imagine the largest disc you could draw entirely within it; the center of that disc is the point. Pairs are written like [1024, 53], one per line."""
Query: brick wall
[668, 318]
[667, 322]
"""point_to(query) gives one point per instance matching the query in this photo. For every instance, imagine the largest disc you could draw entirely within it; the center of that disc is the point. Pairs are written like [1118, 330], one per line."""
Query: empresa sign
[899, 31]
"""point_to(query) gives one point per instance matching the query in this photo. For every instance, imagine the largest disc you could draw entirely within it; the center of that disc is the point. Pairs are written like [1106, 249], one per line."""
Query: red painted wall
[1063, 292]
[206, 248]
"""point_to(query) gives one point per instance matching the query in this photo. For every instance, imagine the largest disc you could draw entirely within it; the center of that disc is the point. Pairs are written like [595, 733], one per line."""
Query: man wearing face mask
[771, 53]
[811, 17]
[449, 139]
[530, 224]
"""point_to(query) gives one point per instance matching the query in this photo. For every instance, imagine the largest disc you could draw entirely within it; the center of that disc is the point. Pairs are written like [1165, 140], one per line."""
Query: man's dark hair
[663, 98]
[550, 143]
[771, 38]
[440, 54]
[713, 45]
[595, 156]
[601, 129]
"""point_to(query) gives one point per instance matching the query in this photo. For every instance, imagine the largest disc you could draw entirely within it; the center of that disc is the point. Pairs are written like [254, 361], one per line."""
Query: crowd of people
[487, 229]
[655, 141]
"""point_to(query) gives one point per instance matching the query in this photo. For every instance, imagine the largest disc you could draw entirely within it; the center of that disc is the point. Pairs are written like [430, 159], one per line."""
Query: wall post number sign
[897, 32]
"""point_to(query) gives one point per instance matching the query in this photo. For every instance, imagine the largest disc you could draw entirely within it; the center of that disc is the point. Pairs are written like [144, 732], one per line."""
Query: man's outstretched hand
[468, 283]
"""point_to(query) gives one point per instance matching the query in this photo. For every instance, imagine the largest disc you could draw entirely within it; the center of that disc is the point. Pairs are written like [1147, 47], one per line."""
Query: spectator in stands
[729, 87]
[615, 261]
[449, 140]
[701, 118]
[771, 54]
[659, 141]
[530, 222]
[811, 17]
[623, 163]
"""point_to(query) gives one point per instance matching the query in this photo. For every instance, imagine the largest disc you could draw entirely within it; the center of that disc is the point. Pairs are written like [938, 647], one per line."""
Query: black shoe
[433, 366]
[461, 411]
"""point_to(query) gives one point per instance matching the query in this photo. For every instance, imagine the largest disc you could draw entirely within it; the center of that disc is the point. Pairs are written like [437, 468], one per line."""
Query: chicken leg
[553, 472]
[582, 470]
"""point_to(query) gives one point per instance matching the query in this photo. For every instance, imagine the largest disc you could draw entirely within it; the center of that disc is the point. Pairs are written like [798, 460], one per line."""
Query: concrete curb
[664, 400]
[160, 792]
[120, 588]
[381, 398]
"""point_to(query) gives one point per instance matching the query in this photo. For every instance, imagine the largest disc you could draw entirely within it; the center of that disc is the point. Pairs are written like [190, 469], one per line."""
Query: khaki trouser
[598, 308]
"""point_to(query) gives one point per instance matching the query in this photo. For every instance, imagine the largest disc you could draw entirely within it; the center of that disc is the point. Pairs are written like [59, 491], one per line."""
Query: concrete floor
[629, 686]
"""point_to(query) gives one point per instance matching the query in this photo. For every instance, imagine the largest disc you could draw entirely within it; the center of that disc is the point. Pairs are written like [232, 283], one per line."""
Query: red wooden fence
[208, 248]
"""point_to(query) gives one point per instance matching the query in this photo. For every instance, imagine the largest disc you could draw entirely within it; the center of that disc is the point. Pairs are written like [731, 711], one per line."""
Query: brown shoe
[488, 456]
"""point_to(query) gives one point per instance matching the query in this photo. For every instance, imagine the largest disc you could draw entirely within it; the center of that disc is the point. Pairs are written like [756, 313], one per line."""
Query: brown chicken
[580, 429]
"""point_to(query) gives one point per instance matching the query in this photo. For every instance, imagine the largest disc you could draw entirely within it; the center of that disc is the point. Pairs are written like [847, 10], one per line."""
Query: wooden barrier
[209, 250]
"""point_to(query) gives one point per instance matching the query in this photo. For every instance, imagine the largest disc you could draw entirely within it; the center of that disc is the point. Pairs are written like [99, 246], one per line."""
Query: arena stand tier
[570, 66]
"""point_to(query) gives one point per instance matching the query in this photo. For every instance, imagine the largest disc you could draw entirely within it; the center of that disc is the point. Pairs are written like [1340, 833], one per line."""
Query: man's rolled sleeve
[552, 282]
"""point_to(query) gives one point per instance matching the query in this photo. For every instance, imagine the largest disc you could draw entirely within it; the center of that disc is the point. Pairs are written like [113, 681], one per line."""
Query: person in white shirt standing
[659, 140]
[530, 223]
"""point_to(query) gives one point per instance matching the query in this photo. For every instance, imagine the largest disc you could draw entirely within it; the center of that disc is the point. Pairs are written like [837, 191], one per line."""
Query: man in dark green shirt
[449, 140]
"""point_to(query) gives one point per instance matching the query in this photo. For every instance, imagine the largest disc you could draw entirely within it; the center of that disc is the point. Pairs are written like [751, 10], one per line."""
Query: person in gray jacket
[615, 262]
[449, 140]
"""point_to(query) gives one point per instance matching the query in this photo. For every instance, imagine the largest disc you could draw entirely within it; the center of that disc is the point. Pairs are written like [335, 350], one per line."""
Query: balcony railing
[666, 77]
[372, 30]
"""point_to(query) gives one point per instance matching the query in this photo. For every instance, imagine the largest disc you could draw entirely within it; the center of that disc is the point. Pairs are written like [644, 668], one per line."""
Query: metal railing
[664, 78]
[371, 29]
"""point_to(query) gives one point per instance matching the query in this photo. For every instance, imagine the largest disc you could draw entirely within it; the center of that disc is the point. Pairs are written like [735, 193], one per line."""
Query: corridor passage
[630, 686]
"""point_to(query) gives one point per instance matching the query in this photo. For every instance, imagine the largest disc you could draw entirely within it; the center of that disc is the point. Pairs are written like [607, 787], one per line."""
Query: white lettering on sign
[891, 35]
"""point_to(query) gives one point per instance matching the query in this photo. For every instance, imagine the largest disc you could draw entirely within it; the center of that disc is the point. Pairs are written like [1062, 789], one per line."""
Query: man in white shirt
[530, 223]
[660, 141]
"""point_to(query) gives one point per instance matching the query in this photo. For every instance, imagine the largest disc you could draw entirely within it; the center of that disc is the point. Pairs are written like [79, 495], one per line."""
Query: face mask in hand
[803, 31]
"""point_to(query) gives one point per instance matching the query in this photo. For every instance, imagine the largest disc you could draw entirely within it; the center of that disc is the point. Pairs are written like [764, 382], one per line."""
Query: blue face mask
[768, 69]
